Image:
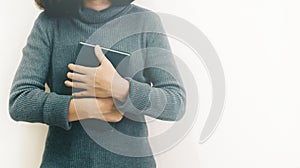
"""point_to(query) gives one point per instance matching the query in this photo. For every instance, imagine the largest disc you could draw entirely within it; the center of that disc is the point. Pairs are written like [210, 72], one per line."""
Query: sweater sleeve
[28, 100]
[165, 98]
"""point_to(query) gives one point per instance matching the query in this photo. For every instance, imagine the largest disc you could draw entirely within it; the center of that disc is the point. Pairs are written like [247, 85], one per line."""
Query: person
[49, 58]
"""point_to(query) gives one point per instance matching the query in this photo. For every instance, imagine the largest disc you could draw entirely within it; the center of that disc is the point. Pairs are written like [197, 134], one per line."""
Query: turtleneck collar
[92, 16]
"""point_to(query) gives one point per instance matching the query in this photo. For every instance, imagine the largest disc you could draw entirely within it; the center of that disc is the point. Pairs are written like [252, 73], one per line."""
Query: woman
[49, 57]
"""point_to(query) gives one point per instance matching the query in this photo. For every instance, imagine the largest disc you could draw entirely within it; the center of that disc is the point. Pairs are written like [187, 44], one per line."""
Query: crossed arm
[29, 102]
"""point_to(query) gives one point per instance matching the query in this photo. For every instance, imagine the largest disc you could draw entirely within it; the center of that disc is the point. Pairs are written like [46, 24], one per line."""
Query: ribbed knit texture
[51, 46]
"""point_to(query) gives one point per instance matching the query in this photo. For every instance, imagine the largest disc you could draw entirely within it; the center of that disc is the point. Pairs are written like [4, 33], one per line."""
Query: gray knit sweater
[51, 46]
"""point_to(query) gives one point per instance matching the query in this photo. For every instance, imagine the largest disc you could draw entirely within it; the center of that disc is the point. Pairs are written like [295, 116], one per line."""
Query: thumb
[99, 54]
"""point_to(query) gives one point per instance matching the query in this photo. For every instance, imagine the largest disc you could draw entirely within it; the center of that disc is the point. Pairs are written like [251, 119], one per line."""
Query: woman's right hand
[96, 108]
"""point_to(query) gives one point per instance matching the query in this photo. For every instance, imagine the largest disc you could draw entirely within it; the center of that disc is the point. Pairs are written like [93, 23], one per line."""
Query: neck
[97, 5]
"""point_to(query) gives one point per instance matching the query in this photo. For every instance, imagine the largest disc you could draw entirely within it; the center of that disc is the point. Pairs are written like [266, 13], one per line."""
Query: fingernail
[97, 48]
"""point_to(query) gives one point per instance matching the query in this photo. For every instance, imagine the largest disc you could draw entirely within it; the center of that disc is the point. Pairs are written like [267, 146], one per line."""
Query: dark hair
[69, 7]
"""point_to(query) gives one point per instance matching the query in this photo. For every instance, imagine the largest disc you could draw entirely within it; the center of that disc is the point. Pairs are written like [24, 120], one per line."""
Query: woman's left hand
[102, 81]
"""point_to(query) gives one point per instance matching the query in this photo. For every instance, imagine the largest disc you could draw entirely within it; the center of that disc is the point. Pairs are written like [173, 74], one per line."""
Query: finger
[76, 76]
[106, 112]
[99, 54]
[79, 68]
[75, 84]
[82, 94]
[112, 117]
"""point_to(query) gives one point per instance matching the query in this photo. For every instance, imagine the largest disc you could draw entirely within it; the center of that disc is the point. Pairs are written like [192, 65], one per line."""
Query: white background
[257, 41]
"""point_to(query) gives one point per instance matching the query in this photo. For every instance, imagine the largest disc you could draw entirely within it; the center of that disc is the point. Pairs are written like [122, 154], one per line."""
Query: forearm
[35, 105]
[162, 101]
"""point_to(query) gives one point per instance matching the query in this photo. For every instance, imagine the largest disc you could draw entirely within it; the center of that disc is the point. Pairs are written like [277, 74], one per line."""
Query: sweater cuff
[137, 100]
[56, 110]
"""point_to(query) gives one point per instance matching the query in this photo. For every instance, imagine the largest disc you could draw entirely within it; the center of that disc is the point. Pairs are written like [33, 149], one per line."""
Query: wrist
[72, 112]
[121, 90]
